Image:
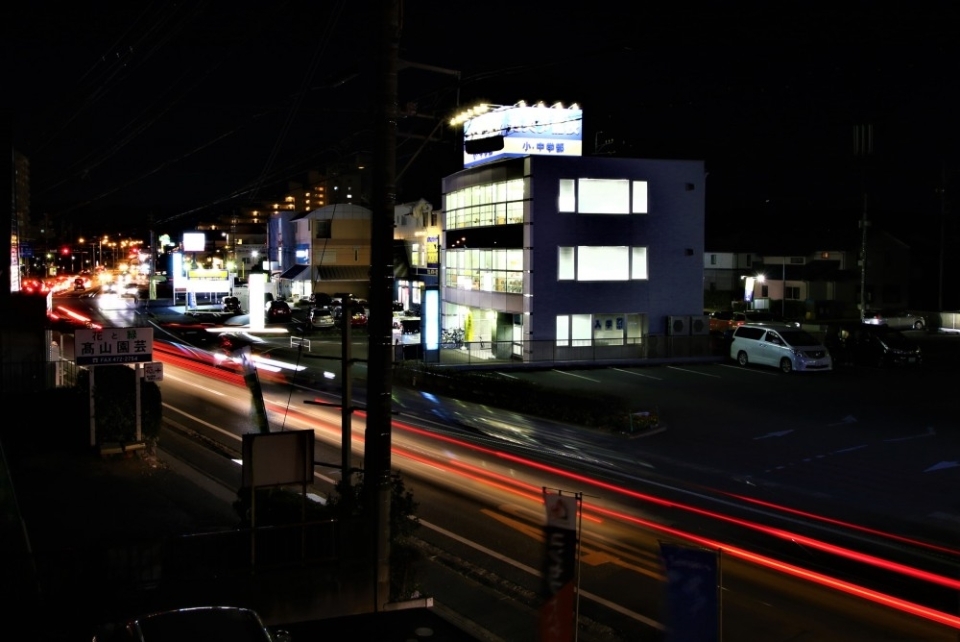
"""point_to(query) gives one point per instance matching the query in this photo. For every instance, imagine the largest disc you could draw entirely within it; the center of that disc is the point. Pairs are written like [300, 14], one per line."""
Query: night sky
[174, 112]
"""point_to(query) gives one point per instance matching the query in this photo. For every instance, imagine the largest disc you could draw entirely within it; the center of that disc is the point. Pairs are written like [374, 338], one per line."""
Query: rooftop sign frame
[513, 131]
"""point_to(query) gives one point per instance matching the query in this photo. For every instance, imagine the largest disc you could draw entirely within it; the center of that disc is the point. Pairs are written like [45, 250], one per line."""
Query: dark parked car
[197, 623]
[230, 304]
[874, 346]
[278, 311]
[319, 300]
[762, 316]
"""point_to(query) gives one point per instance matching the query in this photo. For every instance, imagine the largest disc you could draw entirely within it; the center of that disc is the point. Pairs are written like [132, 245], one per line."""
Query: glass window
[603, 263]
[515, 212]
[581, 329]
[563, 330]
[566, 264]
[323, 229]
[603, 196]
[567, 201]
[639, 197]
[491, 204]
[638, 263]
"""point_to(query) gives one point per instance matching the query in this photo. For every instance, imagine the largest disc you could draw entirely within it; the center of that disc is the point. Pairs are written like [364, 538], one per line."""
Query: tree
[348, 503]
[280, 505]
[114, 398]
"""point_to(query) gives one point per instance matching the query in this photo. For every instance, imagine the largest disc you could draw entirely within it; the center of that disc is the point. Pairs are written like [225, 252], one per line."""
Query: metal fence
[27, 377]
[547, 353]
[133, 566]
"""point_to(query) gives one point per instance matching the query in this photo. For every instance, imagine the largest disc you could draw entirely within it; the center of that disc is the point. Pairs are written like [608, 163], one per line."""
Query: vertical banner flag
[559, 568]
[693, 605]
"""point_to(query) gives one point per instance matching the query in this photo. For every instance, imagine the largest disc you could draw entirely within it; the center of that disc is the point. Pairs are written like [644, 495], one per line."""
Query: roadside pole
[377, 466]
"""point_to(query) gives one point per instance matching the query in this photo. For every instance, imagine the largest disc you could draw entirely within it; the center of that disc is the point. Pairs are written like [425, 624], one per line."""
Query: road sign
[109, 346]
[153, 371]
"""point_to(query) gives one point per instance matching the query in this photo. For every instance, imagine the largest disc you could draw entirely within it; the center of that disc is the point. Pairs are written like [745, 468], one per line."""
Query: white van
[785, 347]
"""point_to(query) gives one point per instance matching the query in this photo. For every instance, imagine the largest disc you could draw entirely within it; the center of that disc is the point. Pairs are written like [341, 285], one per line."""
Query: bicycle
[452, 338]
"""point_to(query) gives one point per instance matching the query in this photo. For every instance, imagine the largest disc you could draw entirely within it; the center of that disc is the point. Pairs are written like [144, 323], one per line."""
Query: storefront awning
[294, 272]
[343, 273]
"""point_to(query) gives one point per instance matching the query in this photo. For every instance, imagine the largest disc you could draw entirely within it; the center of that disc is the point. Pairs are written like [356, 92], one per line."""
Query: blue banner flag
[693, 602]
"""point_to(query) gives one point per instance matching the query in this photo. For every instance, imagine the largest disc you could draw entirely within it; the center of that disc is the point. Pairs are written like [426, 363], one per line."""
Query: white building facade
[557, 258]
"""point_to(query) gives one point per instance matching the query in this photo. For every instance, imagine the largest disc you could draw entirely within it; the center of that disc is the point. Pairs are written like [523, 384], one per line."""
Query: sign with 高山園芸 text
[113, 346]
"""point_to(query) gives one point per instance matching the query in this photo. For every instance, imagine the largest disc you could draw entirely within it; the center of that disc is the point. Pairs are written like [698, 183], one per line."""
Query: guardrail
[296, 342]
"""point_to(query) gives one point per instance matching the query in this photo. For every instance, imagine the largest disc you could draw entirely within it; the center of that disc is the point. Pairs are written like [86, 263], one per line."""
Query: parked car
[779, 346]
[763, 316]
[358, 320]
[874, 346]
[320, 318]
[231, 304]
[195, 623]
[723, 320]
[319, 300]
[278, 311]
[897, 319]
[358, 316]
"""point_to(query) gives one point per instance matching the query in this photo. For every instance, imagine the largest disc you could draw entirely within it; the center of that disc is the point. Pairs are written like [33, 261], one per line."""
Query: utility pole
[943, 224]
[862, 147]
[377, 474]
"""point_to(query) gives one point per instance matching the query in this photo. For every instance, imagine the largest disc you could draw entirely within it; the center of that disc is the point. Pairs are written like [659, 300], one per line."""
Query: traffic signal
[65, 251]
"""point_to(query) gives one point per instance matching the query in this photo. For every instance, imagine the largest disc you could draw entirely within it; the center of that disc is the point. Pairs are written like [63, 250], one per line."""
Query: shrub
[114, 398]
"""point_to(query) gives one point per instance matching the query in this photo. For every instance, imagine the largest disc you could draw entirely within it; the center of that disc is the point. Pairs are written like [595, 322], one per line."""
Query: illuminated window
[485, 205]
[638, 263]
[567, 198]
[566, 264]
[487, 270]
[603, 196]
[581, 329]
[610, 263]
[601, 263]
[563, 330]
[639, 204]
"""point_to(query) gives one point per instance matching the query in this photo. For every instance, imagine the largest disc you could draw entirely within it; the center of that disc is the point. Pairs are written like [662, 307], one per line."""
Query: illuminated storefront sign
[522, 130]
[113, 346]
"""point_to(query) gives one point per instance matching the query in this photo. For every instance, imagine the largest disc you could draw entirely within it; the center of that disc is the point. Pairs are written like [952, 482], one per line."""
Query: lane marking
[759, 371]
[534, 572]
[592, 555]
[811, 458]
[704, 374]
[637, 374]
[193, 385]
[570, 374]
[928, 433]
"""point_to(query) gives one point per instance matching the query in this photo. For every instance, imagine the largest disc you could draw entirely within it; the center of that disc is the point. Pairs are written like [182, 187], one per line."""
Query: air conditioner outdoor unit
[678, 325]
[700, 325]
